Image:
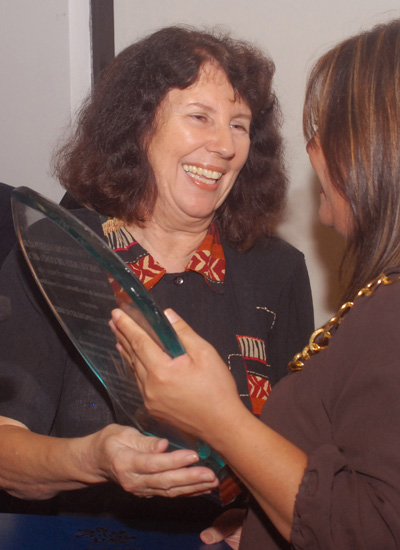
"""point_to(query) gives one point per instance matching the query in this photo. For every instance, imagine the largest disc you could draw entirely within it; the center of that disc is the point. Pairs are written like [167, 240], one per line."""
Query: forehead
[211, 73]
[211, 85]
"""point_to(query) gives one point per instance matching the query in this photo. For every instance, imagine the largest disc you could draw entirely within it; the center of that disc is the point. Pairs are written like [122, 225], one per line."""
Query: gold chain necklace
[319, 339]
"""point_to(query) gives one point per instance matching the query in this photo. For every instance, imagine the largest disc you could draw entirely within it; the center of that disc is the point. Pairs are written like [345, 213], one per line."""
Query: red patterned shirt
[209, 258]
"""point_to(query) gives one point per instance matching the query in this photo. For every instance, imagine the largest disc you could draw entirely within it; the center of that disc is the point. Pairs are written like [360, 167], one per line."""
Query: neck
[171, 248]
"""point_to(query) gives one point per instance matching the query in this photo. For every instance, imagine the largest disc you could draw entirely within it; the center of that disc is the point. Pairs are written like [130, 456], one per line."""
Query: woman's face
[334, 210]
[200, 144]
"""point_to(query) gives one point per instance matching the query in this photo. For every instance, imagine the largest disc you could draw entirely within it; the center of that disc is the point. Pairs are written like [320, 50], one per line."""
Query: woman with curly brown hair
[323, 465]
[177, 158]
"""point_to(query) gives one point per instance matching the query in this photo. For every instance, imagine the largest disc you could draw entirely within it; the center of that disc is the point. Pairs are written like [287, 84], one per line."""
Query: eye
[240, 127]
[199, 117]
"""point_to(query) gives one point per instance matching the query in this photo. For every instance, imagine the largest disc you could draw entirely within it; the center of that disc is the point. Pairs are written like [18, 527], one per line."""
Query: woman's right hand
[34, 466]
[141, 466]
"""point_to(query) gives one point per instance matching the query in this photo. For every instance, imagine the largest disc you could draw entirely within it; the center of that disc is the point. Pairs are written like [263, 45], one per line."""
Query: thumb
[189, 338]
[149, 444]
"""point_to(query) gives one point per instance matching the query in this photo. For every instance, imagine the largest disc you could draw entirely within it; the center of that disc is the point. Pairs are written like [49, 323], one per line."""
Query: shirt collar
[208, 260]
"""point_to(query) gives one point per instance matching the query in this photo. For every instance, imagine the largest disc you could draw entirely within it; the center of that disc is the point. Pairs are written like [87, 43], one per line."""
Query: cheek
[325, 211]
[343, 218]
[243, 153]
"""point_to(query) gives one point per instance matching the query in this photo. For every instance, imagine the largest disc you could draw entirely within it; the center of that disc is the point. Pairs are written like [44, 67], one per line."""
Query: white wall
[45, 71]
[293, 32]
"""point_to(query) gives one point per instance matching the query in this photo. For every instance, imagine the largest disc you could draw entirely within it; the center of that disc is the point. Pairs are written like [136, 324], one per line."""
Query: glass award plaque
[83, 280]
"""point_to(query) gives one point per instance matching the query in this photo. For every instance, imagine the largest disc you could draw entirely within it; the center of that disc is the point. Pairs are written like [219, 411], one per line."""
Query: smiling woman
[199, 146]
[177, 157]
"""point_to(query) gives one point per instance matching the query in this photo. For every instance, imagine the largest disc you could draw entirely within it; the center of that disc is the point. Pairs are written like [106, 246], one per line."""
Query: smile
[208, 177]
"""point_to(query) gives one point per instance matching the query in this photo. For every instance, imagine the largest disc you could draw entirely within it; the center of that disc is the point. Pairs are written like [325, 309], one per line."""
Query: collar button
[179, 280]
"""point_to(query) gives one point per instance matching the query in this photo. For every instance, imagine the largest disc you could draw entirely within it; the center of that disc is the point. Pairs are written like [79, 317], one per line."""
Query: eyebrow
[212, 110]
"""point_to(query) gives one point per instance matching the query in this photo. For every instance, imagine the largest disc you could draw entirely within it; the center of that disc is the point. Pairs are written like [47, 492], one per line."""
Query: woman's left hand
[185, 391]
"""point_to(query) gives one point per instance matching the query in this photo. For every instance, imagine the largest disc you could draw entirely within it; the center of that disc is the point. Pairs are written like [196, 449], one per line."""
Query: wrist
[223, 427]
[86, 457]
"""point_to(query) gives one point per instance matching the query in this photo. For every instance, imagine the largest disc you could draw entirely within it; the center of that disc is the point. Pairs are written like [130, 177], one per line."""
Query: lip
[198, 180]
[211, 167]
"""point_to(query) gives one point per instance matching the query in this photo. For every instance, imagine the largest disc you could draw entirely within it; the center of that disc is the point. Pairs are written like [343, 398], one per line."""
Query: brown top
[343, 410]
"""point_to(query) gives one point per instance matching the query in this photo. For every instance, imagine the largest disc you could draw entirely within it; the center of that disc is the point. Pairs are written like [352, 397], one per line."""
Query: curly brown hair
[104, 164]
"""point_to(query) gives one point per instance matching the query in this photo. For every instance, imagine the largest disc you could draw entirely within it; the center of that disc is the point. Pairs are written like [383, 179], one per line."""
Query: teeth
[209, 174]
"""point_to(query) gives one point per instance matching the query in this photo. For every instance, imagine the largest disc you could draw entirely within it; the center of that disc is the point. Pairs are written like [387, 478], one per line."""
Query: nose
[221, 142]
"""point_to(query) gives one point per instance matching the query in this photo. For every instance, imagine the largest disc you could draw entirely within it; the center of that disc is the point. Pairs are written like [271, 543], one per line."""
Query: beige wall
[45, 68]
[45, 71]
[294, 32]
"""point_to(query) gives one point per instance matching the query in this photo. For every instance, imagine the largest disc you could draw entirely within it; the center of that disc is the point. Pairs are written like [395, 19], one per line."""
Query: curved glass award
[83, 280]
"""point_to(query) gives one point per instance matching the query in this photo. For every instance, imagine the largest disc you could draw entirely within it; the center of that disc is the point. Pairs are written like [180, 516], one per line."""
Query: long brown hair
[104, 164]
[352, 105]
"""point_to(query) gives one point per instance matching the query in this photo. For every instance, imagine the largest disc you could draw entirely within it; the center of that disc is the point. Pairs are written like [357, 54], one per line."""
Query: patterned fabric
[209, 261]
[253, 350]
[248, 360]
[209, 258]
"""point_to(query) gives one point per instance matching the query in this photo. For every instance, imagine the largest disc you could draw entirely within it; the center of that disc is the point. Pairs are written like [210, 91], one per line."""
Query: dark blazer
[7, 233]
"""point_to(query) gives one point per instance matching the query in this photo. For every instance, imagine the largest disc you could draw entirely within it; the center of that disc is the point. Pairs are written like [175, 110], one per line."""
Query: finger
[187, 477]
[226, 527]
[174, 492]
[122, 344]
[156, 462]
[185, 481]
[140, 373]
[137, 339]
[153, 445]
[128, 357]
[166, 474]
[150, 456]
[189, 338]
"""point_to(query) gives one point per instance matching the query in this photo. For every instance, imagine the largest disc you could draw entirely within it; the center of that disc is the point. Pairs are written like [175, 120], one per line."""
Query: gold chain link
[319, 339]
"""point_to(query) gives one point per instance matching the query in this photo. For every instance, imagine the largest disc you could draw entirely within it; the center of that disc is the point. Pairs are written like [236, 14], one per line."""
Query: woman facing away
[323, 462]
[177, 157]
